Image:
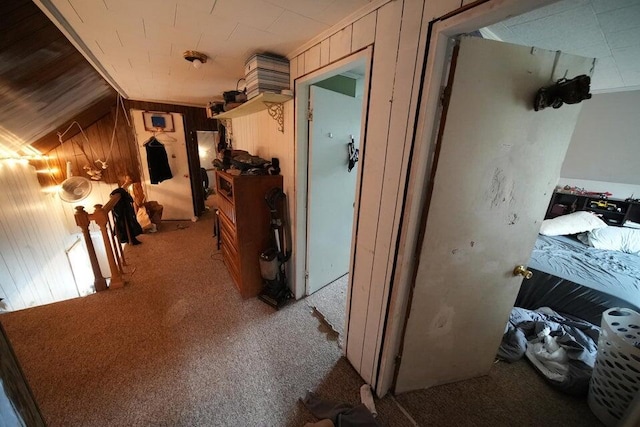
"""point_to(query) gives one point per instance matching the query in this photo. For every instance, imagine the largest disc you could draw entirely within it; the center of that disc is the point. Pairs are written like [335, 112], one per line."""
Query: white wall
[397, 30]
[258, 134]
[605, 148]
[34, 268]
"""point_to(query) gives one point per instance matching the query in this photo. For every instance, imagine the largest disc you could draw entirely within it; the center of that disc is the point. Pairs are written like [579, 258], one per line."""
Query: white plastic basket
[616, 375]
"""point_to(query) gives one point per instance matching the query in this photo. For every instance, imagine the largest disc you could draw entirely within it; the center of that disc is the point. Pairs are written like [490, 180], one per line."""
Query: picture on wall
[155, 121]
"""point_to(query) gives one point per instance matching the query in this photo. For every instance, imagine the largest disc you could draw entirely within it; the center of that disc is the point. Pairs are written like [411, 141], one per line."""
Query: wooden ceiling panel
[45, 82]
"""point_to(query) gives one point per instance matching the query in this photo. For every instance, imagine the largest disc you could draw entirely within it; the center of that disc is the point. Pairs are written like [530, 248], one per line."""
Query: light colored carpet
[331, 302]
[179, 347]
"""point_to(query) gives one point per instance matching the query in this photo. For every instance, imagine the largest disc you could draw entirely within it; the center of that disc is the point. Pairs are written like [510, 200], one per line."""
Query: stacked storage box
[266, 73]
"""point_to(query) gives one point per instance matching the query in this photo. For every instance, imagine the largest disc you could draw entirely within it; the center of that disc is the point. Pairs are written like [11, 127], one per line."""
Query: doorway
[435, 71]
[331, 111]
[334, 141]
[334, 138]
[207, 150]
[173, 191]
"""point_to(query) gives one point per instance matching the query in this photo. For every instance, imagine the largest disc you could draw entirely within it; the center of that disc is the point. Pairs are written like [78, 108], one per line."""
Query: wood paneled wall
[397, 30]
[195, 119]
[259, 135]
[123, 154]
[44, 80]
[34, 268]
[124, 159]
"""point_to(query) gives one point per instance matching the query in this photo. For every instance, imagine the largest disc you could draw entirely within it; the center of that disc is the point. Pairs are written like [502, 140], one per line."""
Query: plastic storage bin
[616, 375]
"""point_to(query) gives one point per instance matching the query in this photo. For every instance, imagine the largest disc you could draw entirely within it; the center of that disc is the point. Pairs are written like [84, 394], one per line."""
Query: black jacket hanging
[157, 161]
[125, 217]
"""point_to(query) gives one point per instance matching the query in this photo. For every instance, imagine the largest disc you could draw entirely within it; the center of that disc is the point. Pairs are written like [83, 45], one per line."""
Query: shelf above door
[273, 102]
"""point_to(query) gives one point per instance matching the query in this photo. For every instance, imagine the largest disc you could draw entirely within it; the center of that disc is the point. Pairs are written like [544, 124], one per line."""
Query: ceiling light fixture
[195, 57]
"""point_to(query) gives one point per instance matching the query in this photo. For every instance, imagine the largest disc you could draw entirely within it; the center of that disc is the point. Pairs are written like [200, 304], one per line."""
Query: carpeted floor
[178, 346]
[331, 302]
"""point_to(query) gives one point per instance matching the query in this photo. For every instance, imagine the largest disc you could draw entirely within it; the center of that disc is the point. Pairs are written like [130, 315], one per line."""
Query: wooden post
[82, 220]
[100, 217]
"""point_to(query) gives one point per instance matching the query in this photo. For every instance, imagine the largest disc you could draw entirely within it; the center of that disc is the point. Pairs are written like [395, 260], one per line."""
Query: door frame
[468, 18]
[301, 138]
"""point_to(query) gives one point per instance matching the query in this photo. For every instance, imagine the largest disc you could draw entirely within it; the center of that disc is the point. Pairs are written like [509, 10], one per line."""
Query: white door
[498, 163]
[332, 188]
[173, 194]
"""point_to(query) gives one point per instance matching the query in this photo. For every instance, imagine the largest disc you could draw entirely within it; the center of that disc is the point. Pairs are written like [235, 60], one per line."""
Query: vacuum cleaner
[273, 260]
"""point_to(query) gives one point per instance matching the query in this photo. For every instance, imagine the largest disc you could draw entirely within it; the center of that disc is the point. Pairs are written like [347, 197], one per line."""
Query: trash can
[616, 374]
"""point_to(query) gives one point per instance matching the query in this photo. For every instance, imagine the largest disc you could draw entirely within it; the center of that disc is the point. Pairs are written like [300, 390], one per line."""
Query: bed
[573, 278]
[562, 305]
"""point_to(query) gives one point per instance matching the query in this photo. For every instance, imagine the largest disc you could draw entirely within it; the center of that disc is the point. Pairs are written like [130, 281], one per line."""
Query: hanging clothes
[126, 222]
[157, 161]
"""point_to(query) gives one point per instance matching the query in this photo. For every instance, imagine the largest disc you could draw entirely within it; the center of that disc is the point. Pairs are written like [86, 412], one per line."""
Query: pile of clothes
[332, 414]
[561, 347]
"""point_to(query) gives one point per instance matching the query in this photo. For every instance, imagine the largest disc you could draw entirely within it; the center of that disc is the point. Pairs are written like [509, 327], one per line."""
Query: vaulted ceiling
[44, 80]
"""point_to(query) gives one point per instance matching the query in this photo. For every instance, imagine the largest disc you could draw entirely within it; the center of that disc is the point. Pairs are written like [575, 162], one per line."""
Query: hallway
[178, 346]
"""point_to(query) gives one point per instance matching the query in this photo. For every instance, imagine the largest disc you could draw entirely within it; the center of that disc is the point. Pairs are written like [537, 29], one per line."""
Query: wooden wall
[123, 159]
[397, 31]
[34, 268]
[124, 155]
[259, 135]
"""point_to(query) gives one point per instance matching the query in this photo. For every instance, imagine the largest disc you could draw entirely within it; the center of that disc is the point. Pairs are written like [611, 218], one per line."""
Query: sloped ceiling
[608, 30]
[138, 45]
[44, 80]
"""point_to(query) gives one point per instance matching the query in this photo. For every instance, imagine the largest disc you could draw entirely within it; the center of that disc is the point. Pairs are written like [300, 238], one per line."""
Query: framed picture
[155, 121]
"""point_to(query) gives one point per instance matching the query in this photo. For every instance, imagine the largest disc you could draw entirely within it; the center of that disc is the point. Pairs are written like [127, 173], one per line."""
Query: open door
[174, 194]
[497, 162]
[332, 188]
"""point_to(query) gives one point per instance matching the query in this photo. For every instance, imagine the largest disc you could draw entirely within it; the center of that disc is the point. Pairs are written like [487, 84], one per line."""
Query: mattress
[573, 278]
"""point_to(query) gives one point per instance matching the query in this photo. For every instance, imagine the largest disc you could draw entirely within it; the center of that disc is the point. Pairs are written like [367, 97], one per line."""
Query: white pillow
[573, 223]
[616, 239]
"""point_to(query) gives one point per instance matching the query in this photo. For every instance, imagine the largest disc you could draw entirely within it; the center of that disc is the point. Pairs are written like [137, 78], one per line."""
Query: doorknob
[521, 270]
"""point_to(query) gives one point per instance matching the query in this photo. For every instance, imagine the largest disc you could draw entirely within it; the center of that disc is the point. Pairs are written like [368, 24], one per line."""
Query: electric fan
[74, 188]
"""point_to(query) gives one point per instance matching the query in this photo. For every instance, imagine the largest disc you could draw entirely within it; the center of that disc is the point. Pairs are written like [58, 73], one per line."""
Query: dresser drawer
[231, 261]
[226, 207]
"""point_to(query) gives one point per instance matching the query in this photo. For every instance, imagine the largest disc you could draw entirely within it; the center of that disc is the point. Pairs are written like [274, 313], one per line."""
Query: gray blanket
[577, 337]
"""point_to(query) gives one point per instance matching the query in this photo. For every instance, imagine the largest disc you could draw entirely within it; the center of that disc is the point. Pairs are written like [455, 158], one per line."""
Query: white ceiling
[605, 29]
[139, 43]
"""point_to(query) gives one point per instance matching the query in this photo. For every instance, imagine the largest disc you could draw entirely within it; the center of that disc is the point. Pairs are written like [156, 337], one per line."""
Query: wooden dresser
[244, 226]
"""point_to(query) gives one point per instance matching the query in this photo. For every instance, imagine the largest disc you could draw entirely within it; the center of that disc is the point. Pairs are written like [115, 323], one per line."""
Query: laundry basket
[616, 375]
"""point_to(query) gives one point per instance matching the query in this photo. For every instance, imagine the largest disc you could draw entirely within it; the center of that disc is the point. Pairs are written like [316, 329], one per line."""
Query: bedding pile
[561, 347]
